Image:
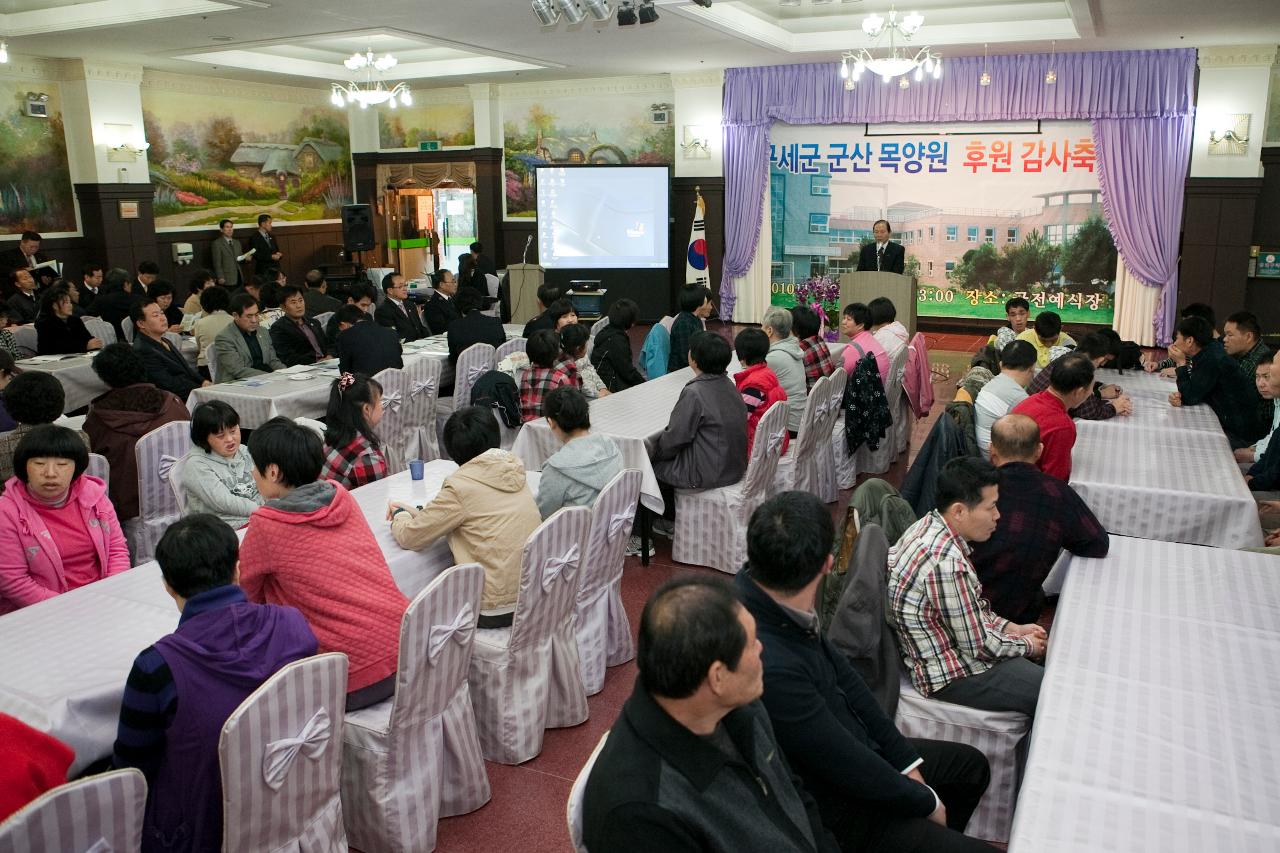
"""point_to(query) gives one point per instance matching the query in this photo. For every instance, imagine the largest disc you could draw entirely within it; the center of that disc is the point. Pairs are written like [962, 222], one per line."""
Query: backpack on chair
[497, 390]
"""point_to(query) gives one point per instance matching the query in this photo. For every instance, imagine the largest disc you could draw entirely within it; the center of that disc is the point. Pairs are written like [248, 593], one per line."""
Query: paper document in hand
[49, 265]
[246, 255]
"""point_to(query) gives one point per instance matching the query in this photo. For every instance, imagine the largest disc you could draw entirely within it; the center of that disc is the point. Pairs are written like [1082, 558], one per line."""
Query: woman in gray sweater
[217, 474]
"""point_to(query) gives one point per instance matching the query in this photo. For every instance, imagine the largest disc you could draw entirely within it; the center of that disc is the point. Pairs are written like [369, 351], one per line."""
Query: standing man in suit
[473, 327]
[882, 255]
[266, 253]
[397, 312]
[148, 271]
[91, 282]
[243, 348]
[27, 256]
[363, 345]
[166, 367]
[440, 310]
[297, 338]
[226, 256]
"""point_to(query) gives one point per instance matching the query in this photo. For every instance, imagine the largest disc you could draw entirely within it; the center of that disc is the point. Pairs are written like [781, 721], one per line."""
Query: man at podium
[882, 255]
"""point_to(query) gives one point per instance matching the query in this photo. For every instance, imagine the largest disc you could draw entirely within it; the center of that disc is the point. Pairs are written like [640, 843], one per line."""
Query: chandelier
[900, 61]
[373, 91]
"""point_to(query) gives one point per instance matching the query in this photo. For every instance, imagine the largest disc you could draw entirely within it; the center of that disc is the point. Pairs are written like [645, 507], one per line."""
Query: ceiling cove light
[373, 91]
[898, 61]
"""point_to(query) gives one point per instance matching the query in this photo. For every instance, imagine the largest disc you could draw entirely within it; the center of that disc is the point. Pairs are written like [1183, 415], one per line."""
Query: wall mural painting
[452, 125]
[238, 157]
[616, 128]
[35, 182]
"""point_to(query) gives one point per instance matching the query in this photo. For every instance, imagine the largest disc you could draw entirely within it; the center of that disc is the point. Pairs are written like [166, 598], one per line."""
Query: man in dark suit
[358, 293]
[27, 256]
[317, 296]
[297, 338]
[266, 253]
[90, 284]
[397, 312]
[473, 327]
[23, 304]
[363, 345]
[226, 256]
[440, 310]
[882, 255]
[166, 367]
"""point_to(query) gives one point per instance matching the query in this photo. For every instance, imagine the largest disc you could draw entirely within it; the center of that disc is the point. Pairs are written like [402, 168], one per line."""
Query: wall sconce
[696, 144]
[1229, 134]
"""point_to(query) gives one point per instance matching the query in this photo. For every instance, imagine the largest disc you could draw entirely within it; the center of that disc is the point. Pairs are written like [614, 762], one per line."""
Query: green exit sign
[429, 145]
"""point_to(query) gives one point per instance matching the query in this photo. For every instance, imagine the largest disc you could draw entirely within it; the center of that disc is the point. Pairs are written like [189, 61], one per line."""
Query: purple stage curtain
[1142, 197]
[1139, 84]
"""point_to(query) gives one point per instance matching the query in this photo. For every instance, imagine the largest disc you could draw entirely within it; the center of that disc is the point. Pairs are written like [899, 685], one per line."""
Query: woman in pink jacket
[58, 530]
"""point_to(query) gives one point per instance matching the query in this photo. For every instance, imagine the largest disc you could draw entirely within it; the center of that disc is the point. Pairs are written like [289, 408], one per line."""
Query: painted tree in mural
[35, 184]
[221, 141]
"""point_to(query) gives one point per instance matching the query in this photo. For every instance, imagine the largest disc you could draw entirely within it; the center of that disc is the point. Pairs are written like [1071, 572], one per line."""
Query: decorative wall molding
[31, 68]
[658, 84]
[190, 84]
[92, 69]
[713, 77]
[451, 95]
[1238, 56]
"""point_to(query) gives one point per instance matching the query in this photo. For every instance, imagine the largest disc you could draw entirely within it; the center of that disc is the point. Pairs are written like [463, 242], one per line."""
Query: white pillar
[102, 110]
[487, 114]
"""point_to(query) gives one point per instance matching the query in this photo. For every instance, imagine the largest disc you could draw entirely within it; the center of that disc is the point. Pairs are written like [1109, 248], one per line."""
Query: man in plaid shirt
[542, 374]
[817, 356]
[955, 648]
[1106, 401]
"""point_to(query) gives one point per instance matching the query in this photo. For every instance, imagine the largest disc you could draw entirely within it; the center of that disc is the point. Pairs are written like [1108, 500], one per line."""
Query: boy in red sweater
[757, 383]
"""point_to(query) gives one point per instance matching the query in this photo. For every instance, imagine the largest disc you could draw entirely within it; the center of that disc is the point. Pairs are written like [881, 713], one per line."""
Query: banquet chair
[877, 461]
[175, 483]
[99, 467]
[526, 678]
[573, 808]
[473, 362]
[156, 453]
[711, 524]
[596, 328]
[394, 429]
[512, 346]
[126, 326]
[415, 758]
[826, 487]
[26, 339]
[798, 466]
[492, 283]
[281, 759]
[98, 813]
[323, 319]
[312, 424]
[422, 385]
[212, 363]
[604, 633]
[100, 329]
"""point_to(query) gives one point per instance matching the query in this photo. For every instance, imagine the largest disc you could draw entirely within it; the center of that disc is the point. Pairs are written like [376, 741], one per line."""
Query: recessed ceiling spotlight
[599, 9]
[706, 4]
[572, 11]
[546, 14]
[626, 13]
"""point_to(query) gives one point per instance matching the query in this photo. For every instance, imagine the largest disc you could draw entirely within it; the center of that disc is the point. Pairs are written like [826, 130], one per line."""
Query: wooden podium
[524, 281]
[899, 289]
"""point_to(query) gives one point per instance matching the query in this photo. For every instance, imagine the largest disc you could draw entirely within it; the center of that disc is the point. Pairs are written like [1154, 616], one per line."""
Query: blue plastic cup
[416, 468]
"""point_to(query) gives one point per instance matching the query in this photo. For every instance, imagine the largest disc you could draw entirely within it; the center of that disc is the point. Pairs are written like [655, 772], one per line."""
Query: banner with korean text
[985, 212]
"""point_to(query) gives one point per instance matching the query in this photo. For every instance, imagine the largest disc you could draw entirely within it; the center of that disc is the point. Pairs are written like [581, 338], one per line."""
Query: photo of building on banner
[983, 217]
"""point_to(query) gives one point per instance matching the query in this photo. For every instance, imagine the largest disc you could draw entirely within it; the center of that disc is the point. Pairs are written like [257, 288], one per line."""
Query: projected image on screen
[602, 216]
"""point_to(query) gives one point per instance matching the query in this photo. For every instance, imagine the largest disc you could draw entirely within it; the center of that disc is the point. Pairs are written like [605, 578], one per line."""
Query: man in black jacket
[883, 255]
[316, 296]
[266, 252]
[611, 353]
[362, 345]
[548, 294]
[473, 327]
[877, 791]
[166, 367]
[441, 310]
[691, 763]
[297, 338]
[397, 312]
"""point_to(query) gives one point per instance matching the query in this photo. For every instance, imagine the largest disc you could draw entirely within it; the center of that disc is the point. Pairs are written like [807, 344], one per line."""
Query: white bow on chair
[820, 410]
[281, 754]
[101, 846]
[775, 441]
[391, 401]
[476, 372]
[166, 465]
[554, 566]
[422, 388]
[618, 522]
[456, 630]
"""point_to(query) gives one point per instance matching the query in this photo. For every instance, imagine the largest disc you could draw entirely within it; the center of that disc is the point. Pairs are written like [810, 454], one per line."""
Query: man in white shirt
[998, 397]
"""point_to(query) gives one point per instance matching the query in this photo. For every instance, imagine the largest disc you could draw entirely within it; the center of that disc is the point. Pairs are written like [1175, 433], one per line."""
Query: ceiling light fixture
[985, 79]
[572, 11]
[4, 52]
[900, 60]
[626, 13]
[648, 14]
[373, 91]
[706, 4]
[599, 9]
[1051, 76]
[546, 14]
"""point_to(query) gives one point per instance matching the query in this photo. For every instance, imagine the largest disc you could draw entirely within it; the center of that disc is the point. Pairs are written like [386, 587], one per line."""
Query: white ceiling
[450, 42]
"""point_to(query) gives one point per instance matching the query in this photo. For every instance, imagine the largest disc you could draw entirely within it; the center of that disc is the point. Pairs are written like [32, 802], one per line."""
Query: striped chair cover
[323, 319]
[825, 487]
[99, 814]
[526, 678]
[416, 757]
[877, 461]
[711, 525]
[604, 633]
[798, 467]
[175, 483]
[281, 757]
[26, 339]
[100, 329]
[126, 326]
[473, 362]
[513, 345]
[995, 733]
[312, 424]
[394, 429]
[211, 363]
[156, 452]
[573, 808]
[99, 467]
[422, 386]
[596, 327]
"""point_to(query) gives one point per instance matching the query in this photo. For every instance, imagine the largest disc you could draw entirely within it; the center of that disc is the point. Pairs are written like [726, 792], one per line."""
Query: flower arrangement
[822, 294]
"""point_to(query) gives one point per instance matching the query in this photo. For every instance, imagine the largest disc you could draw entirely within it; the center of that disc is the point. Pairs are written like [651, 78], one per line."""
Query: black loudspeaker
[357, 228]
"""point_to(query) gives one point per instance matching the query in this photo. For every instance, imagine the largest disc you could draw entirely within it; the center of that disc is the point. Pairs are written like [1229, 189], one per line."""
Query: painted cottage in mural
[282, 163]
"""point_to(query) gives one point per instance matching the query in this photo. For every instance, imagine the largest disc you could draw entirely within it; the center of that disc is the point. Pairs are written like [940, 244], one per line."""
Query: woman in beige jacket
[485, 508]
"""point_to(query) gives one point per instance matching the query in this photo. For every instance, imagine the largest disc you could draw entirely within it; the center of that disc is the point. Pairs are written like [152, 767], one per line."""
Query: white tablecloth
[1161, 700]
[75, 373]
[1170, 485]
[1151, 409]
[65, 660]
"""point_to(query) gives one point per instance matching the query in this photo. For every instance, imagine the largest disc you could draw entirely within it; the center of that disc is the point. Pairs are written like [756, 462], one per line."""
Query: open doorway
[427, 229]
